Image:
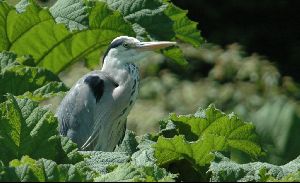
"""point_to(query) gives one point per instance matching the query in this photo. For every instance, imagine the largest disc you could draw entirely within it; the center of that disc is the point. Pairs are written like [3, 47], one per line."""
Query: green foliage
[53, 39]
[43, 170]
[223, 169]
[183, 27]
[38, 43]
[71, 13]
[129, 143]
[253, 88]
[248, 85]
[293, 177]
[23, 124]
[139, 160]
[89, 27]
[32, 82]
[279, 116]
[155, 20]
[122, 166]
[131, 173]
[207, 131]
[103, 161]
[145, 154]
[52, 45]
[27, 129]
[147, 16]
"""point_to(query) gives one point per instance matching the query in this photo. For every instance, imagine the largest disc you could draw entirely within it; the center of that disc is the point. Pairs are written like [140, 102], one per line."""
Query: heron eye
[126, 45]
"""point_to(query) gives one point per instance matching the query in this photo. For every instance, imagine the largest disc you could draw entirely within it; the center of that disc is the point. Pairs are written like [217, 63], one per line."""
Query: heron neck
[120, 73]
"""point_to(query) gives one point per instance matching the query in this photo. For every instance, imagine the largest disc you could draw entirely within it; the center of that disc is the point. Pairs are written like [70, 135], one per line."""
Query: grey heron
[94, 112]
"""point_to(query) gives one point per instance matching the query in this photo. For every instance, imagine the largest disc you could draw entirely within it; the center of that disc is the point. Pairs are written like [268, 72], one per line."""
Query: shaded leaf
[176, 55]
[147, 14]
[101, 161]
[27, 129]
[145, 155]
[35, 83]
[101, 17]
[128, 172]
[4, 11]
[278, 123]
[47, 91]
[129, 143]
[43, 170]
[155, 20]
[72, 13]
[185, 29]
[223, 169]
[70, 149]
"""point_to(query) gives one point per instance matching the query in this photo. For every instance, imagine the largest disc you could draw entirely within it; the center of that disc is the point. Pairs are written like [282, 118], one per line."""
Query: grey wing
[123, 131]
[76, 111]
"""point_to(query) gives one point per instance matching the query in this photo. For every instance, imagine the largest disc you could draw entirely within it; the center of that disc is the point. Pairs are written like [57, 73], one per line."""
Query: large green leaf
[203, 133]
[171, 150]
[27, 129]
[33, 82]
[52, 46]
[88, 28]
[20, 23]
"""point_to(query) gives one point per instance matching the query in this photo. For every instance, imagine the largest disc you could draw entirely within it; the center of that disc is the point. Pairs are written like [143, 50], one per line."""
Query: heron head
[126, 49]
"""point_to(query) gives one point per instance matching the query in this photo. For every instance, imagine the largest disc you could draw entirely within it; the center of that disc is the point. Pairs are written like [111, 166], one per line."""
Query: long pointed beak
[155, 45]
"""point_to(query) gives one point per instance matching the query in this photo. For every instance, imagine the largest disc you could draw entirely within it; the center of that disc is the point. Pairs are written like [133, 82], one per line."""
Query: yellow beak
[155, 45]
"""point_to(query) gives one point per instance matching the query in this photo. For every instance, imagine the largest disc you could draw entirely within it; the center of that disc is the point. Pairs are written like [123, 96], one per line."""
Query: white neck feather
[118, 71]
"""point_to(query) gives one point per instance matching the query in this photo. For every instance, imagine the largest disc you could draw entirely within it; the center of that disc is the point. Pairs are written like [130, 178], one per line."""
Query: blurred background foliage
[250, 86]
[270, 28]
[250, 66]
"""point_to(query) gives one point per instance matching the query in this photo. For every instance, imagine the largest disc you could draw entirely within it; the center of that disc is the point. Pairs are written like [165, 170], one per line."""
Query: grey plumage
[80, 112]
[94, 112]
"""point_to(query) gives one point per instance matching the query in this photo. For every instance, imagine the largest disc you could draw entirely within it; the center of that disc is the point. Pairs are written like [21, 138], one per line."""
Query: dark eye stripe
[114, 44]
[117, 42]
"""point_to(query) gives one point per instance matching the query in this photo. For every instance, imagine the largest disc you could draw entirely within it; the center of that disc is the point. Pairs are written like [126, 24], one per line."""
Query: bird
[93, 113]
